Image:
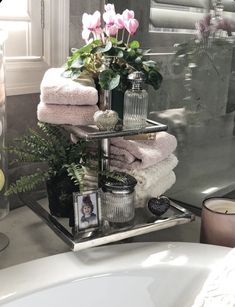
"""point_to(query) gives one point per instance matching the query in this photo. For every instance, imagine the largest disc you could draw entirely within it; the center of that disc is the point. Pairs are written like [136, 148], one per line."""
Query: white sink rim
[16, 281]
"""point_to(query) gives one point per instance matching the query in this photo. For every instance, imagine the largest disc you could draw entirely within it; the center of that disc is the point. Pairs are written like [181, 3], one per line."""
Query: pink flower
[111, 30]
[127, 14]
[109, 7]
[91, 24]
[109, 17]
[91, 21]
[119, 22]
[85, 34]
[131, 26]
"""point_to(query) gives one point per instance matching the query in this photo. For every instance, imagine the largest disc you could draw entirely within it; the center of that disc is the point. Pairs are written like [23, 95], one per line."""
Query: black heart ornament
[158, 206]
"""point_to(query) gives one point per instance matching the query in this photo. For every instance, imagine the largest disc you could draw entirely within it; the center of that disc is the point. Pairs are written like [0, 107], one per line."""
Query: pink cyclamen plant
[107, 57]
[113, 24]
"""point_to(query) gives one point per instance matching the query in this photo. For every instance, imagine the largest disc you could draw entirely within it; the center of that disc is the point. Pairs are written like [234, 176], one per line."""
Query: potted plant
[110, 55]
[64, 159]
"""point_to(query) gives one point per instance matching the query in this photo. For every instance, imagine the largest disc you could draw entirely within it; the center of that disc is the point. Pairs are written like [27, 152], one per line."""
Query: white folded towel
[219, 289]
[145, 177]
[156, 189]
[56, 89]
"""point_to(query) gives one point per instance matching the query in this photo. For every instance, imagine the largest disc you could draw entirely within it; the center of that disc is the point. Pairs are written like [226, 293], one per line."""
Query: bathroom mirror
[203, 124]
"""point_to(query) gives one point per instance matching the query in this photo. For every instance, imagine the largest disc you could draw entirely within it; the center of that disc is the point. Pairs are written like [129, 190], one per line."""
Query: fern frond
[56, 136]
[54, 132]
[27, 183]
[25, 156]
[76, 173]
[113, 175]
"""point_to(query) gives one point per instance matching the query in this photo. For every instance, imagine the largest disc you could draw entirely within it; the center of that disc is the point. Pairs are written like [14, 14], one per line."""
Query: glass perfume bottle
[135, 102]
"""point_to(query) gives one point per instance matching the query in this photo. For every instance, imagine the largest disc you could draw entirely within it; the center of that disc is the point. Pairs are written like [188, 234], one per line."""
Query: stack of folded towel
[151, 162]
[64, 101]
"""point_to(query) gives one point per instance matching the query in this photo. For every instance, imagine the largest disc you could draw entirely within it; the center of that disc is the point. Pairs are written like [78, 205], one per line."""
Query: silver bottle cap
[136, 76]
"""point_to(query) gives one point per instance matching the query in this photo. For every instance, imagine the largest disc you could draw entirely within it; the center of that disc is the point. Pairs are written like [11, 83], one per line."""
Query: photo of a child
[88, 216]
[87, 210]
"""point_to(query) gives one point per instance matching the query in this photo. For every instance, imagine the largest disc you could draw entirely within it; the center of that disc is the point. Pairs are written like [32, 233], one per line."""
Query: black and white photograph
[86, 210]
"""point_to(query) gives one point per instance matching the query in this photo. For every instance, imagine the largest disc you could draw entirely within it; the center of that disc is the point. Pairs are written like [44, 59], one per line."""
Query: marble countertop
[30, 238]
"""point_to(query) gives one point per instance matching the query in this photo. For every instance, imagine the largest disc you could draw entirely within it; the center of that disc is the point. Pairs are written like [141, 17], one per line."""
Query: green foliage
[123, 59]
[76, 173]
[27, 183]
[53, 146]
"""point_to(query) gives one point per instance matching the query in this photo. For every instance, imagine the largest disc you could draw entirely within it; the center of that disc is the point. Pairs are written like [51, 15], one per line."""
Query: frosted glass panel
[17, 36]
[13, 8]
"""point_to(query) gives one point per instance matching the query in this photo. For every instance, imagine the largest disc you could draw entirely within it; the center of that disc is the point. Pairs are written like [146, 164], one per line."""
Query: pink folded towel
[56, 89]
[129, 154]
[65, 114]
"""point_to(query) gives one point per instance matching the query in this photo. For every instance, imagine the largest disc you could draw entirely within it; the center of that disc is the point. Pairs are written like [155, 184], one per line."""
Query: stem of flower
[123, 32]
[127, 43]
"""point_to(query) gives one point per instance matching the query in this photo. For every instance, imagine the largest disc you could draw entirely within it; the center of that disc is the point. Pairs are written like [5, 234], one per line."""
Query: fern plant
[51, 145]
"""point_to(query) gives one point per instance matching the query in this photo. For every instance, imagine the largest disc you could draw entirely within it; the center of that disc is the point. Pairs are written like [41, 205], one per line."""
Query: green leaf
[150, 63]
[77, 63]
[104, 49]
[86, 48]
[120, 54]
[73, 50]
[134, 45]
[138, 60]
[75, 75]
[109, 79]
[67, 74]
[144, 52]
[113, 40]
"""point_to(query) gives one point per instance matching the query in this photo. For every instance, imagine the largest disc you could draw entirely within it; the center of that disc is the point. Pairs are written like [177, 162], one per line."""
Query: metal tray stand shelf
[144, 223]
[175, 215]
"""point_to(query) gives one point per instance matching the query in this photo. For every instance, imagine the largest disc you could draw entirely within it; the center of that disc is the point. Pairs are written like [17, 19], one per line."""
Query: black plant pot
[60, 195]
[117, 102]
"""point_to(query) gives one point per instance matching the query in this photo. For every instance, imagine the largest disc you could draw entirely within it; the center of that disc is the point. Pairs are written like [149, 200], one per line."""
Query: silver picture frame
[87, 213]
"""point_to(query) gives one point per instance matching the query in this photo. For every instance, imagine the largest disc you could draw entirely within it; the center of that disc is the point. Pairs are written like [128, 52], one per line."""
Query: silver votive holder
[117, 200]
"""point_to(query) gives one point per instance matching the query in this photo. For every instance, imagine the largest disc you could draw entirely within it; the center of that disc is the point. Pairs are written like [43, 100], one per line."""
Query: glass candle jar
[117, 200]
[218, 221]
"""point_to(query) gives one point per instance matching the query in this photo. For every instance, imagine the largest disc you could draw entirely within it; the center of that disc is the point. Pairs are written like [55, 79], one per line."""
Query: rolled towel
[56, 89]
[65, 114]
[129, 154]
[156, 189]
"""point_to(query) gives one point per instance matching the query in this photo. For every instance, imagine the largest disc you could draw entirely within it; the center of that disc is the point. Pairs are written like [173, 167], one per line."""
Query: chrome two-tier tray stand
[176, 215]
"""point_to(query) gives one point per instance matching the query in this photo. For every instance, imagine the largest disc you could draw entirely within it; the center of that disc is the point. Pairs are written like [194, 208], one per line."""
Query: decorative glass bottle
[135, 102]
